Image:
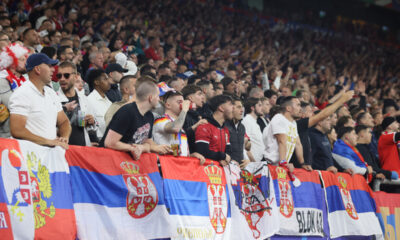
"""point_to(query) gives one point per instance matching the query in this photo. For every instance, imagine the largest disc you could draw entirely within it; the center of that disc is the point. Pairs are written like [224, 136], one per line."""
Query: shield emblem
[142, 196]
[286, 206]
[346, 198]
[218, 207]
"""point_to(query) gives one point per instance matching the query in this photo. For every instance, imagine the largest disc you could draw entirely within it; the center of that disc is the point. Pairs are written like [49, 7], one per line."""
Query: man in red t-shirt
[388, 145]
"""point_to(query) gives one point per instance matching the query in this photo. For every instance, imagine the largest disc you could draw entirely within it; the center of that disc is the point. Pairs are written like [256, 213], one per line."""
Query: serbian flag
[301, 207]
[253, 203]
[116, 197]
[35, 181]
[351, 208]
[388, 211]
[197, 198]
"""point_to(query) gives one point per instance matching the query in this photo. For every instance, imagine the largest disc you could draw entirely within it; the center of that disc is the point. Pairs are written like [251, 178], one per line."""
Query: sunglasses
[66, 75]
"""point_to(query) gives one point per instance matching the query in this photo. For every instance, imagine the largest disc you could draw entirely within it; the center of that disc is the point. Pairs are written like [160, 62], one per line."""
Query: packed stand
[190, 79]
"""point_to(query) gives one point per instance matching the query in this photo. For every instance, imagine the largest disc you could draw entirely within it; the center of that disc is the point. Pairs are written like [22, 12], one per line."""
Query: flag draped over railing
[94, 193]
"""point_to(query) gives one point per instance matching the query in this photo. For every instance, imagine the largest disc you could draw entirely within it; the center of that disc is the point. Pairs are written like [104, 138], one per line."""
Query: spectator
[168, 129]
[193, 118]
[321, 150]
[130, 130]
[30, 38]
[75, 105]
[127, 88]
[347, 156]
[229, 85]
[366, 119]
[208, 91]
[212, 138]
[238, 138]
[11, 78]
[363, 145]
[35, 110]
[65, 53]
[99, 82]
[388, 145]
[281, 137]
[272, 96]
[263, 120]
[253, 110]
[115, 73]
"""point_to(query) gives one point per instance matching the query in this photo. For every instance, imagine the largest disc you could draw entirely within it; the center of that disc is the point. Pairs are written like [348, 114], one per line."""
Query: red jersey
[388, 152]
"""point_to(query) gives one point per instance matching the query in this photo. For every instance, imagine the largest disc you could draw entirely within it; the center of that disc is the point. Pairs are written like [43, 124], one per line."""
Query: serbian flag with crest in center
[37, 192]
[301, 207]
[197, 198]
[351, 208]
[116, 197]
[255, 214]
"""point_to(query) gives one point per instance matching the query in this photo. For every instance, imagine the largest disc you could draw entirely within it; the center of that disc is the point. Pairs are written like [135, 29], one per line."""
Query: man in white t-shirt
[253, 109]
[168, 129]
[281, 137]
[36, 112]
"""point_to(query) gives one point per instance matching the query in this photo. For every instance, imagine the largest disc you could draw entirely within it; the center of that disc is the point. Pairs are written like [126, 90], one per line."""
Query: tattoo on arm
[176, 125]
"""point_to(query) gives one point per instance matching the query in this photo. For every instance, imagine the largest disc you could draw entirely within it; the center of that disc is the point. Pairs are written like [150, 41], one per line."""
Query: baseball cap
[115, 67]
[38, 58]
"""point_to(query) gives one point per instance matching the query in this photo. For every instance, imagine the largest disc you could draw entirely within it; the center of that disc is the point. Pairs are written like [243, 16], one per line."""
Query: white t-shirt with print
[279, 125]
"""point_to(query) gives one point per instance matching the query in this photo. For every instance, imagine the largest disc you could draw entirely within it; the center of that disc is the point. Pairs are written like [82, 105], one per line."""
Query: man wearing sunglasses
[75, 105]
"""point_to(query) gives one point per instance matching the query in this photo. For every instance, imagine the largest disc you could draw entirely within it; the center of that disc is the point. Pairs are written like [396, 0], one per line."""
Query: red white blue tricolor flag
[197, 198]
[298, 215]
[351, 208]
[35, 192]
[115, 197]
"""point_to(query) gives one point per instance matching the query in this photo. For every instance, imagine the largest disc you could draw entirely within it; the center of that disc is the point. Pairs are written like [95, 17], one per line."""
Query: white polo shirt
[100, 106]
[40, 109]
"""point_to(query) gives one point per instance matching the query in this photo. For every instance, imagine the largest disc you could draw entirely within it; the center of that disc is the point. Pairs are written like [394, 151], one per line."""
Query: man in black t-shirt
[309, 120]
[131, 127]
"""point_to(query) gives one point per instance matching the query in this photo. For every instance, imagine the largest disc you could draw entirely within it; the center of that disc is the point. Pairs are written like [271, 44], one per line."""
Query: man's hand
[201, 121]
[347, 96]
[290, 167]
[380, 176]
[136, 151]
[349, 171]
[279, 73]
[306, 167]
[89, 119]
[70, 106]
[227, 158]
[161, 149]
[244, 163]
[223, 163]
[199, 156]
[332, 169]
[185, 105]
[57, 142]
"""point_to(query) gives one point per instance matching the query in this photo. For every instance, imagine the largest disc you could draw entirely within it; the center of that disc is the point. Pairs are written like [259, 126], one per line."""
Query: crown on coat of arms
[129, 167]
[214, 173]
[248, 176]
[281, 172]
[342, 182]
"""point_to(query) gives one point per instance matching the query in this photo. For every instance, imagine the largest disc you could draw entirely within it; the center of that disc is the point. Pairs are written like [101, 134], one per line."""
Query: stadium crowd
[188, 78]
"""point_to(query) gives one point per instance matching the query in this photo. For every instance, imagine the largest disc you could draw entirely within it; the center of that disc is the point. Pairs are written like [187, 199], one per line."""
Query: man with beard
[130, 129]
[10, 79]
[212, 138]
[253, 110]
[75, 105]
[238, 138]
[281, 137]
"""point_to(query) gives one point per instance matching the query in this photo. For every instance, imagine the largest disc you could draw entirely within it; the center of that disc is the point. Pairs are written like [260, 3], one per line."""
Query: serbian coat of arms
[142, 196]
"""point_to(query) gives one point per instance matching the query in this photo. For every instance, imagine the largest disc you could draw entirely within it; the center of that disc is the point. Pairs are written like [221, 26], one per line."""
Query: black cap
[387, 121]
[115, 67]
